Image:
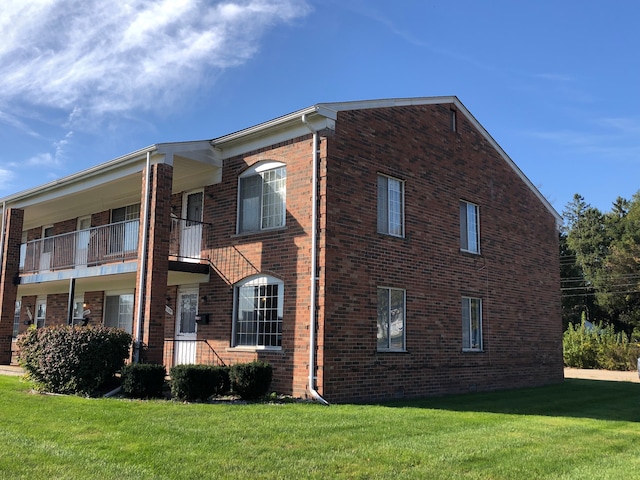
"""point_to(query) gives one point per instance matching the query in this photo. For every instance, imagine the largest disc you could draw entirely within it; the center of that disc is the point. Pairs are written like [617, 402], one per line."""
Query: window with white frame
[391, 319]
[118, 311]
[262, 197]
[471, 323]
[469, 227]
[258, 312]
[390, 206]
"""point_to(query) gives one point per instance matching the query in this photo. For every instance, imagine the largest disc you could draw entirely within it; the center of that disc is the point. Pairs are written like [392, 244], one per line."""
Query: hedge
[143, 380]
[198, 382]
[250, 380]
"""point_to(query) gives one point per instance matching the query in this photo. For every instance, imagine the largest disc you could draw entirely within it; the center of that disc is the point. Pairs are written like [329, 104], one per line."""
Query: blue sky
[555, 82]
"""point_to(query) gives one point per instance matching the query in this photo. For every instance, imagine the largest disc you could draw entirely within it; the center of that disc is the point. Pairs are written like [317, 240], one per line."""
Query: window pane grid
[273, 194]
[259, 317]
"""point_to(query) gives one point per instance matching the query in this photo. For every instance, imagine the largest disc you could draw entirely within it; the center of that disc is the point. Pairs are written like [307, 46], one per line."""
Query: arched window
[258, 312]
[261, 197]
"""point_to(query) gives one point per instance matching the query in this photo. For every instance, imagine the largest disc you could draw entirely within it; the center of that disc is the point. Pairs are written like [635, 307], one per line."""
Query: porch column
[8, 275]
[155, 281]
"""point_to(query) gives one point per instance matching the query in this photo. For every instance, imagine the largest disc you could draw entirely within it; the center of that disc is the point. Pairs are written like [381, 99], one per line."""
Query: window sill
[470, 252]
[392, 235]
[258, 232]
[391, 350]
[472, 350]
[256, 348]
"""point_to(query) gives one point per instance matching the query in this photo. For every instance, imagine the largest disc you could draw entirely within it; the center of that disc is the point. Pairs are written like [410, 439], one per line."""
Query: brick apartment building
[367, 250]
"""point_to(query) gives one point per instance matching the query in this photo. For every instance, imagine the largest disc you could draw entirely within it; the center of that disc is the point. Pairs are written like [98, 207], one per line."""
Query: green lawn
[578, 430]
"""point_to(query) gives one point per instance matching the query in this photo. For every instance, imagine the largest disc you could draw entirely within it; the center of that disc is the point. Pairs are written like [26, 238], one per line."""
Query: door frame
[194, 230]
[185, 343]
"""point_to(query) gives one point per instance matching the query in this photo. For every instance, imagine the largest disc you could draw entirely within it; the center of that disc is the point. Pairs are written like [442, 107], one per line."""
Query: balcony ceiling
[120, 188]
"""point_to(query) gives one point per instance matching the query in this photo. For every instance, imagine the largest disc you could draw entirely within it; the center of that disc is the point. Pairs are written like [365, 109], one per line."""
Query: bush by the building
[198, 382]
[250, 380]
[73, 360]
[143, 380]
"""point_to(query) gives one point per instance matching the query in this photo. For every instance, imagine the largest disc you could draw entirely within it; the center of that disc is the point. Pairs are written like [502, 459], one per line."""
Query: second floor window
[261, 197]
[469, 227]
[390, 206]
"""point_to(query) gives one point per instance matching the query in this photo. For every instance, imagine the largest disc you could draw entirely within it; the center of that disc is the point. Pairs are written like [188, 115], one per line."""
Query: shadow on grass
[595, 399]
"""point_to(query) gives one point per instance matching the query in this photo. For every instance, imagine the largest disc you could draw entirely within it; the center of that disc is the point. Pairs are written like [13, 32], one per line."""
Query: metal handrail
[115, 242]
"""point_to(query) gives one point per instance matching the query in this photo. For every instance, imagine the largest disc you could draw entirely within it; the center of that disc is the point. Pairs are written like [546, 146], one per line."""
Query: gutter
[313, 301]
[137, 345]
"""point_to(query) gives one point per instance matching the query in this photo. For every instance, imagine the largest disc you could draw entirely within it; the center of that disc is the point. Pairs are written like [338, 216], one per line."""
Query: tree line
[600, 264]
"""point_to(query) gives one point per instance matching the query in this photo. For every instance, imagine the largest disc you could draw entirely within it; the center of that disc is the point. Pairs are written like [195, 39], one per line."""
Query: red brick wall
[516, 275]
[155, 281]
[57, 305]
[8, 288]
[282, 253]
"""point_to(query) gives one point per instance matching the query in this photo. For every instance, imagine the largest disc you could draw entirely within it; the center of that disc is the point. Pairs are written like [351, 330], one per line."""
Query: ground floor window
[471, 323]
[118, 311]
[258, 312]
[391, 319]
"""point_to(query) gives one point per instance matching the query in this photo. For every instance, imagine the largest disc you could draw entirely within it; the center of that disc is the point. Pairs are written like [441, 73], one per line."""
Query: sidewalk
[11, 370]
[609, 375]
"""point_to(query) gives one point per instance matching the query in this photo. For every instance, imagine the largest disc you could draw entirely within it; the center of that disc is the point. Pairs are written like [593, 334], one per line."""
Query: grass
[576, 430]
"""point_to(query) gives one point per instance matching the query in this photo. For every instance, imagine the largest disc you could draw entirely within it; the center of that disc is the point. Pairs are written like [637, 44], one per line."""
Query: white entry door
[185, 344]
[82, 241]
[191, 233]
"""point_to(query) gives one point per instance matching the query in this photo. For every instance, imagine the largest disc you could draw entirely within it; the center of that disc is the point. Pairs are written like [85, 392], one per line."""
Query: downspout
[312, 308]
[143, 264]
[4, 209]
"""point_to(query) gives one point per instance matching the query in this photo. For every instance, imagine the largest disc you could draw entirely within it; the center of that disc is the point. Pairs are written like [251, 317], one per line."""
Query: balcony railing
[188, 238]
[116, 242]
[111, 243]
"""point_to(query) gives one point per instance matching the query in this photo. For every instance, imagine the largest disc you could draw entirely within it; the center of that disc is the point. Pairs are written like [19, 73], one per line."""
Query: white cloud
[6, 177]
[96, 58]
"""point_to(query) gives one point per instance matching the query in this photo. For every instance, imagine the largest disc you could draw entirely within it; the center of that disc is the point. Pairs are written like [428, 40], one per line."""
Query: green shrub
[198, 382]
[250, 380]
[143, 380]
[72, 360]
[598, 347]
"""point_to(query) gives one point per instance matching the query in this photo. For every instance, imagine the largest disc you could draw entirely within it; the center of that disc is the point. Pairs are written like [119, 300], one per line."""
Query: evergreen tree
[600, 263]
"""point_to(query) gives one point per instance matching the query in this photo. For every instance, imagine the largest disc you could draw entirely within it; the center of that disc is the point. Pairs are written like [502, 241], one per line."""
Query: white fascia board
[200, 151]
[274, 131]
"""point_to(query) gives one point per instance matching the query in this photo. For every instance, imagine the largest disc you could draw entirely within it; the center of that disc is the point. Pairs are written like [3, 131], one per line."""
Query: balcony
[108, 244]
[116, 242]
